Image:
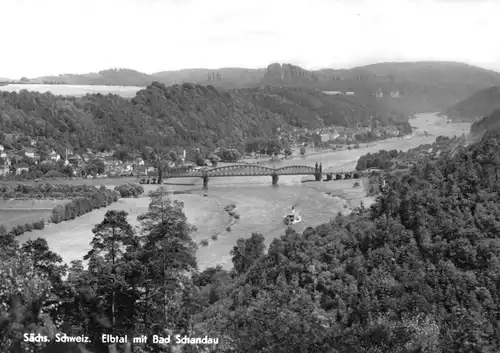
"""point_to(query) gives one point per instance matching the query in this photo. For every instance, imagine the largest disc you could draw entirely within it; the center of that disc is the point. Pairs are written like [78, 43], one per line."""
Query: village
[31, 159]
[89, 164]
[333, 135]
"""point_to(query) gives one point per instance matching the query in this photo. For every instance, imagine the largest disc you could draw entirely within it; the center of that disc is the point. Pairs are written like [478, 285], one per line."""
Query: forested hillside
[417, 272]
[312, 108]
[488, 125]
[180, 116]
[480, 104]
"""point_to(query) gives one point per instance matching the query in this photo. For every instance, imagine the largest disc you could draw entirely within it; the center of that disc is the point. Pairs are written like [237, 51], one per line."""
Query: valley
[260, 205]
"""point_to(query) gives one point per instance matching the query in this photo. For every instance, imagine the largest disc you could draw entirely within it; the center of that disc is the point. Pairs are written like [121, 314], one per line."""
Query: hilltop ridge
[407, 87]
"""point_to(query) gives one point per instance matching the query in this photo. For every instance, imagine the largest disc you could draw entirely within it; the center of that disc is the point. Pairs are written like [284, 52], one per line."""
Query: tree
[111, 236]
[45, 262]
[200, 160]
[173, 156]
[95, 166]
[247, 251]
[230, 155]
[168, 255]
[274, 147]
[214, 160]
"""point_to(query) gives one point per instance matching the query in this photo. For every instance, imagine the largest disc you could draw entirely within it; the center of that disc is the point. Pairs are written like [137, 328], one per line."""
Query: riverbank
[261, 206]
[345, 190]
[71, 239]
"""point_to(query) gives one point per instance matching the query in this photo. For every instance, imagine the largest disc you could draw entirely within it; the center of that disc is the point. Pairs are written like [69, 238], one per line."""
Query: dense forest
[309, 108]
[179, 116]
[418, 271]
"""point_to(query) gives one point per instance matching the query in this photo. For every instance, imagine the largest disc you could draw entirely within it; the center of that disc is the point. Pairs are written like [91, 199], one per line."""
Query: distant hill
[225, 77]
[401, 88]
[481, 103]
[404, 87]
[117, 77]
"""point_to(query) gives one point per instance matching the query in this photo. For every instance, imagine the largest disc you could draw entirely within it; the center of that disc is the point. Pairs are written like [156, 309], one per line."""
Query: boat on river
[292, 218]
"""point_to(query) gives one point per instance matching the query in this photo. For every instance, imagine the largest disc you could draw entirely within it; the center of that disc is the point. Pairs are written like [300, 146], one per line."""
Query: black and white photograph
[236, 176]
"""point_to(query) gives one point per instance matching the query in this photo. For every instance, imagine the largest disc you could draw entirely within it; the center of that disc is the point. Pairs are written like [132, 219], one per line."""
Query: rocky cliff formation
[287, 73]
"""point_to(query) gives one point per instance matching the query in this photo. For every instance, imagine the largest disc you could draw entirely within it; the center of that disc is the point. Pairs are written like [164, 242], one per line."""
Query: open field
[28, 204]
[15, 212]
[74, 90]
[10, 219]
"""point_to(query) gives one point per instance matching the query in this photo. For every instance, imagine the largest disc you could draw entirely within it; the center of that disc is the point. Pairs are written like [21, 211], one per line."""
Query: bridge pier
[205, 182]
[329, 177]
[318, 171]
[275, 177]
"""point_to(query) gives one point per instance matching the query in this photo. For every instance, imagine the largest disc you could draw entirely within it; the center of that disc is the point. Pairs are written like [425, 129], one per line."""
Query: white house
[396, 94]
[28, 152]
[333, 93]
[54, 156]
[139, 161]
[2, 152]
[349, 93]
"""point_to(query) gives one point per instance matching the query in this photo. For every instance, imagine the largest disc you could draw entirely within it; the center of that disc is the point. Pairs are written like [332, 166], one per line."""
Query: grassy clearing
[10, 219]
[20, 212]
[27, 204]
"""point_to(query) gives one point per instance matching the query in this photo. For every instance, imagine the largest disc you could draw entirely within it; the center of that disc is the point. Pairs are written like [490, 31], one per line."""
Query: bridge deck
[244, 172]
[215, 175]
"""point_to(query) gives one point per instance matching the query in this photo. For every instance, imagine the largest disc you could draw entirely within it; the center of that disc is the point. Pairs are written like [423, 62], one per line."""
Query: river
[260, 205]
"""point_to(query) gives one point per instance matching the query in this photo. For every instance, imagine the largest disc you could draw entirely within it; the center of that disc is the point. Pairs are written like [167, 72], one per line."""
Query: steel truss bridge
[245, 170]
[242, 170]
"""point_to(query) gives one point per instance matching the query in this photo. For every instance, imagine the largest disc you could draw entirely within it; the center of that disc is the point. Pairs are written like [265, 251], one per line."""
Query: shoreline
[344, 190]
[71, 238]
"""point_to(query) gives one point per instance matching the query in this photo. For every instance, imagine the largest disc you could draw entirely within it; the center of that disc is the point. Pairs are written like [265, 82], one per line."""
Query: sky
[51, 37]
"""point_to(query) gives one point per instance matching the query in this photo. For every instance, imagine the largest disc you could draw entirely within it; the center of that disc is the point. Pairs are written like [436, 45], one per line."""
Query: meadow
[14, 212]
[74, 90]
